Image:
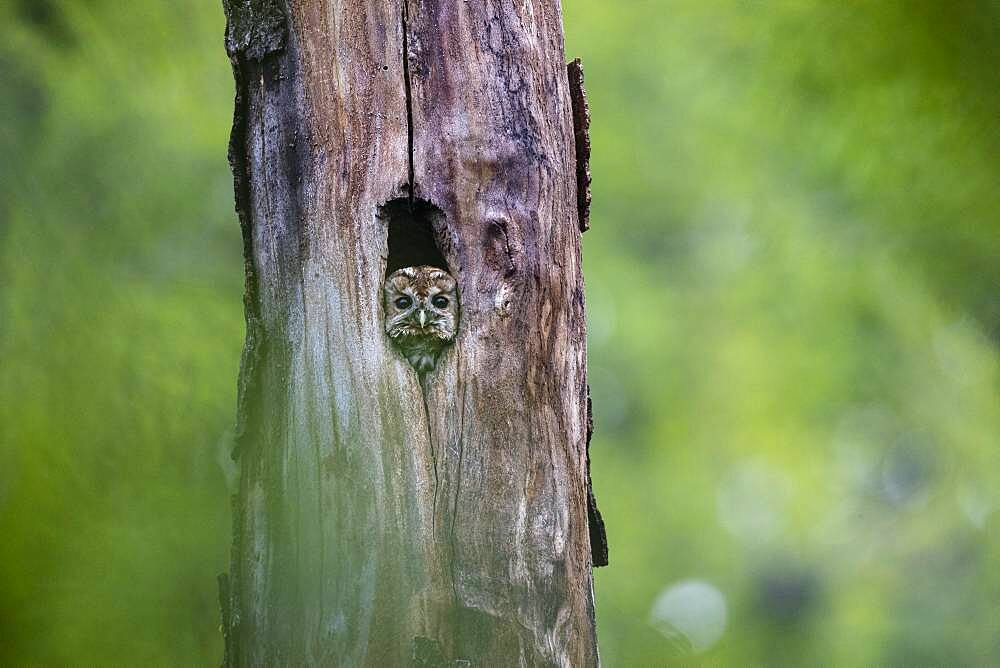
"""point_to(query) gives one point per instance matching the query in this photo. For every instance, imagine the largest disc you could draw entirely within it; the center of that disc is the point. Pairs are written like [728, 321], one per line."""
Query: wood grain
[493, 147]
[371, 528]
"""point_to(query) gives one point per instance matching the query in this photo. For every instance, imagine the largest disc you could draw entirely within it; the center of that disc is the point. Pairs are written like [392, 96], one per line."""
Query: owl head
[420, 302]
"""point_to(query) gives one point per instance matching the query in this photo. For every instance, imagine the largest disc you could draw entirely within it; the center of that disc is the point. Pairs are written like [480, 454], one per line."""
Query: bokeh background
[793, 280]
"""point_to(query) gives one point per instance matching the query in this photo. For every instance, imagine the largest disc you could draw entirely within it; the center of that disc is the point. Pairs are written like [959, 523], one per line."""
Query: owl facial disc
[421, 313]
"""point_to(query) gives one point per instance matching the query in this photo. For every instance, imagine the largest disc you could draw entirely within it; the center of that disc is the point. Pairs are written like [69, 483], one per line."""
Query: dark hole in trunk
[411, 234]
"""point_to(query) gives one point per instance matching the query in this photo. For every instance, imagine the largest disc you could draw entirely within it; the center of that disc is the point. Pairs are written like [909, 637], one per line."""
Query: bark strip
[598, 534]
[581, 133]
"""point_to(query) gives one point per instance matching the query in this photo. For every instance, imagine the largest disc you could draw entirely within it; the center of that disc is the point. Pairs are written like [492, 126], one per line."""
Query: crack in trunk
[411, 194]
[430, 444]
[405, 19]
[452, 537]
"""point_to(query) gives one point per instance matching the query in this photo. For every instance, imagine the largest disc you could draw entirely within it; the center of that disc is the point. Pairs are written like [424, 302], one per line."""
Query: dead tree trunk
[380, 520]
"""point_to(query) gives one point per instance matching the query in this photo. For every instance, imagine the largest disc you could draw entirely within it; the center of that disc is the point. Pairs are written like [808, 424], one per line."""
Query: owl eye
[403, 302]
[440, 301]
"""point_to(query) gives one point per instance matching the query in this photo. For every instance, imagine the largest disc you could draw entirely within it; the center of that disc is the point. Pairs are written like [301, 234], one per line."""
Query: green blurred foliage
[794, 298]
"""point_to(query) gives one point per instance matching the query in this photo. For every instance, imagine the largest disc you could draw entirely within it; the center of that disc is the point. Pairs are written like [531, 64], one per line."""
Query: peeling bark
[378, 521]
[598, 534]
[581, 133]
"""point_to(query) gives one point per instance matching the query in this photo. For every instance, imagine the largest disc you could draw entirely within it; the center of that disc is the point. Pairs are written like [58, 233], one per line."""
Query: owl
[421, 313]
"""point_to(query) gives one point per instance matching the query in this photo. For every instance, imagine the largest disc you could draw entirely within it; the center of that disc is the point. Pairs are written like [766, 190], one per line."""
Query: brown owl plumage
[421, 313]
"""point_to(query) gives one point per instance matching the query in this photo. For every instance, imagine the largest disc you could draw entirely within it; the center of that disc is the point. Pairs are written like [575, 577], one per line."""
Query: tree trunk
[384, 519]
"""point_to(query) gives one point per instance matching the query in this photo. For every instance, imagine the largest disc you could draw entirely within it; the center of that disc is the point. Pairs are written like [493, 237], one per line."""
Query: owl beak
[423, 317]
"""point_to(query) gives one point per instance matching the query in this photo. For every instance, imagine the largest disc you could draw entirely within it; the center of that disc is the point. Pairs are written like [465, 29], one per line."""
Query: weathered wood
[493, 147]
[379, 522]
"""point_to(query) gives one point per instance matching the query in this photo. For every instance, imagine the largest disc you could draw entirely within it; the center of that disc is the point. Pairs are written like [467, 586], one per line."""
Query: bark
[381, 520]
